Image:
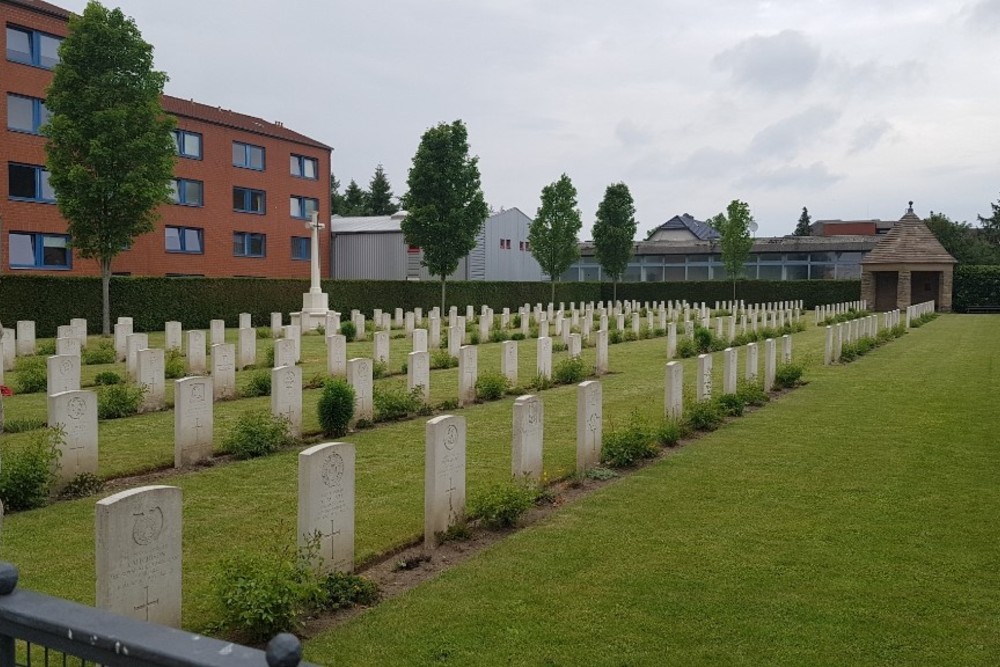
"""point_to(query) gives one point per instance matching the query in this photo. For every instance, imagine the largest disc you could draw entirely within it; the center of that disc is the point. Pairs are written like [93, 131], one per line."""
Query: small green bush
[380, 369]
[500, 505]
[704, 415]
[615, 337]
[256, 433]
[517, 336]
[258, 384]
[392, 403]
[82, 486]
[348, 330]
[731, 405]
[669, 432]
[264, 332]
[686, 348]
[491, 386]
[569, 371]
[27, 473]
[558, 346]
[474, 338]
[789, 375]
[269, 356]
[45, 348]
[441, 359]
[119, 400]
[498, 335]
[626, 446]
[101, 353]
[342, 590]
[336, 407]
[23, 424]
[540, 382]
[105, 378]
[751, 393]
[32, 375]
[173, 364]
[601, 474]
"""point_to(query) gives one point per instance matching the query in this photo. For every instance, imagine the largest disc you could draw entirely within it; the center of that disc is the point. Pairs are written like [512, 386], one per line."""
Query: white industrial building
[372, 248]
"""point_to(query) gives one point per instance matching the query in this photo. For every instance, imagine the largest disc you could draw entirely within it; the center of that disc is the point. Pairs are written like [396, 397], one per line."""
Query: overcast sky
[848, 107]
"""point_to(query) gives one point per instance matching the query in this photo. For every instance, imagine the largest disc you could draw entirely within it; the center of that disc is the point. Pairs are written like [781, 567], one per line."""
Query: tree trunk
[106, 296]
[553, 290]
[614, 291]
[442, 296]
[734, 289]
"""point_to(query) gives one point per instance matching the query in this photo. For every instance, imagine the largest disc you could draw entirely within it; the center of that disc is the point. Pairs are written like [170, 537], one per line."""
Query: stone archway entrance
[886, 288]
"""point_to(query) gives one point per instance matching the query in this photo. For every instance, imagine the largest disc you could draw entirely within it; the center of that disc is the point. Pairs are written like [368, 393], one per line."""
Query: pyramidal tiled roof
[910, 241]
[700, 230]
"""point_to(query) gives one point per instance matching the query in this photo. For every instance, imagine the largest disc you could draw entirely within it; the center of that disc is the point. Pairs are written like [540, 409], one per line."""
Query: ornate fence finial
[284, 650]
[8, 578]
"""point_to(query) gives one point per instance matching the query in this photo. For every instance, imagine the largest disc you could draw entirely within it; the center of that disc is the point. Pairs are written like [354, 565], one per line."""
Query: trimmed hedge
[975, 286]
[53, 300]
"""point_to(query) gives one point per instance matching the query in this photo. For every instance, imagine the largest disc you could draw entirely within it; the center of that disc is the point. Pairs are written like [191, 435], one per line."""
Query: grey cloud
[630, 134]
[873, 77]
[784, 138]
[867, 135]
[983, 15]
[707, 163]
[774, 64]
[814, 177]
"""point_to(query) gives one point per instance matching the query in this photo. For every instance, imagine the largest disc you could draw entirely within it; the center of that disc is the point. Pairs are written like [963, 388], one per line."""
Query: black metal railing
[43, 631]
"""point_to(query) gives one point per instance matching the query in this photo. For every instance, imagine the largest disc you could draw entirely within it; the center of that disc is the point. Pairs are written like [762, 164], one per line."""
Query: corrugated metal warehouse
[372, 248]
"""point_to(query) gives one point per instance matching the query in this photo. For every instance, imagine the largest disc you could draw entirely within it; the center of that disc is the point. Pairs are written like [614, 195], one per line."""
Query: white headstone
[729, 374]
[703, 386]
[543, 356]
[193, 420]
[75, 412]
[359, 375]
[673, 396]
[293, 332]
[286, 397]
[332, 324]
[786, 349]
[173, 336]
[468, 373]
[246, 321]
[508, 361]
[224, 371]
[382, 347]
[575, 346]
[336, 355]
[284, 352]
[752, 363]
[434, 335]
[79, 325]
[8, 349]
[770, 364]
[150, 372]
[671, 340]
[589, 425]
[276, 327]
[454, 341]
[444, 476]
[25, 338]
[137, 548]
[70, 346]
[133, 344]
[122, 332]
[419, 340]
[526, 448]
[248, 347]
[418, 373]
[196, 353]
[601, 365]
[828, 349]
[218, 331]
[326, 504]
[63, 373]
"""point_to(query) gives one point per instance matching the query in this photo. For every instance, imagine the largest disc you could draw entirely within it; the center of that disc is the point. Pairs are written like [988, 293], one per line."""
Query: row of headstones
[831, 310]
[138, 533]
[21, 341]
[918, 310]
[853, 330]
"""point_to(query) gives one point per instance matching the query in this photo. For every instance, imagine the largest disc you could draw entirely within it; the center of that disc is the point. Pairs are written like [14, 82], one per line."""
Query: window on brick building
[303, 207]
[184, 239]
[32, 47]
[304, 167]
[248, 156]
[29, 182]
[246, 200]
[26, 114]
[187, 192]
[188, 144]
[301, 247]
[248, 244]
[38, 251]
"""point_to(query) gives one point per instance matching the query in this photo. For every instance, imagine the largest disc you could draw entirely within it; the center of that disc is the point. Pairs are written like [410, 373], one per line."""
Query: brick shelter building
[243, 191]
[907, 266]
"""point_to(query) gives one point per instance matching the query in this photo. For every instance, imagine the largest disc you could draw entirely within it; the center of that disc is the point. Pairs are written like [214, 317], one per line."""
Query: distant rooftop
[239, 121]
[844, 243]
[686, 221]
[910, 241]
[41, 7]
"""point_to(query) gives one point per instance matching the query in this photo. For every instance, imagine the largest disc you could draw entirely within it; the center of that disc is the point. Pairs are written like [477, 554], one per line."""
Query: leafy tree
[355, 200]
[735, 241]
[336, 199]
[379, 194]
[802, 229]
[963, 241]
[553, 233]
[991, 225]
[110, 152]
[445, 204]
[614, 230]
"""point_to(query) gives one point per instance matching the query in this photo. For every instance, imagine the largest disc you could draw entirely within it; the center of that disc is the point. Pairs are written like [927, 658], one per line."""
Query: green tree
[553, 234]
[991, 225]
[802, 229]
[110, 152]
[379, 196]
[964, 242]
[355, 200]
[735, 241]
[613, 232]
[445, 204]
[336, 199]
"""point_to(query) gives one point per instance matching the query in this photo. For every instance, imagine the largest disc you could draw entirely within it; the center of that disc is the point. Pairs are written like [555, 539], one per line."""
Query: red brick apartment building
[244, 187]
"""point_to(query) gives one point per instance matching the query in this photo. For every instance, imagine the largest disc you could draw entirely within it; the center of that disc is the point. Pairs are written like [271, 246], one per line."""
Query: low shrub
[264, 332]
[789, 375]
[103, 352]
[32, 375]
[686, 348]
[45, 348]
[669, 432]
[119, 400]
[615, 337]
[499, 506]
[491, 386]
[498, 335]
[517, 336]
[630, 336]
[27, 473]
[342, 590]
[256, 433]
[258, 384]
[601, 474]
[441, 359]
[173, 364]
[704, 415]
[392, 403]
[569, 371]
[540, 382]
[380, 369]
[474, 338]
[105, 378]
[23, 424]
[82, 486]
[348, 330]
[626, 446]
[559, 346]
[731, 405]
[269, 356]
[336, 407]
[751, 393]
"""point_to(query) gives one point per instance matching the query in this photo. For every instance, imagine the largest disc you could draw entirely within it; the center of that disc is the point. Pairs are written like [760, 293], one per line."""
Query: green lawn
[855, 521]
[252, 504]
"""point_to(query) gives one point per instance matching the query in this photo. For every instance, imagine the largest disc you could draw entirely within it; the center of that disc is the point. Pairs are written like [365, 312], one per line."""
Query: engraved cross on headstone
[198, 426]
[149, 603]
[450, 491]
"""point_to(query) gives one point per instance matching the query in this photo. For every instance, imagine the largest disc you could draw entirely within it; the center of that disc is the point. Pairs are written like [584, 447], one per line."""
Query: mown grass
[854, 522]
[252, 504]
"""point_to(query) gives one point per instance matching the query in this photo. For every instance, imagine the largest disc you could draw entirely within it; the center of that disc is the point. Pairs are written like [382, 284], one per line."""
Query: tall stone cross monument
[315, 303]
